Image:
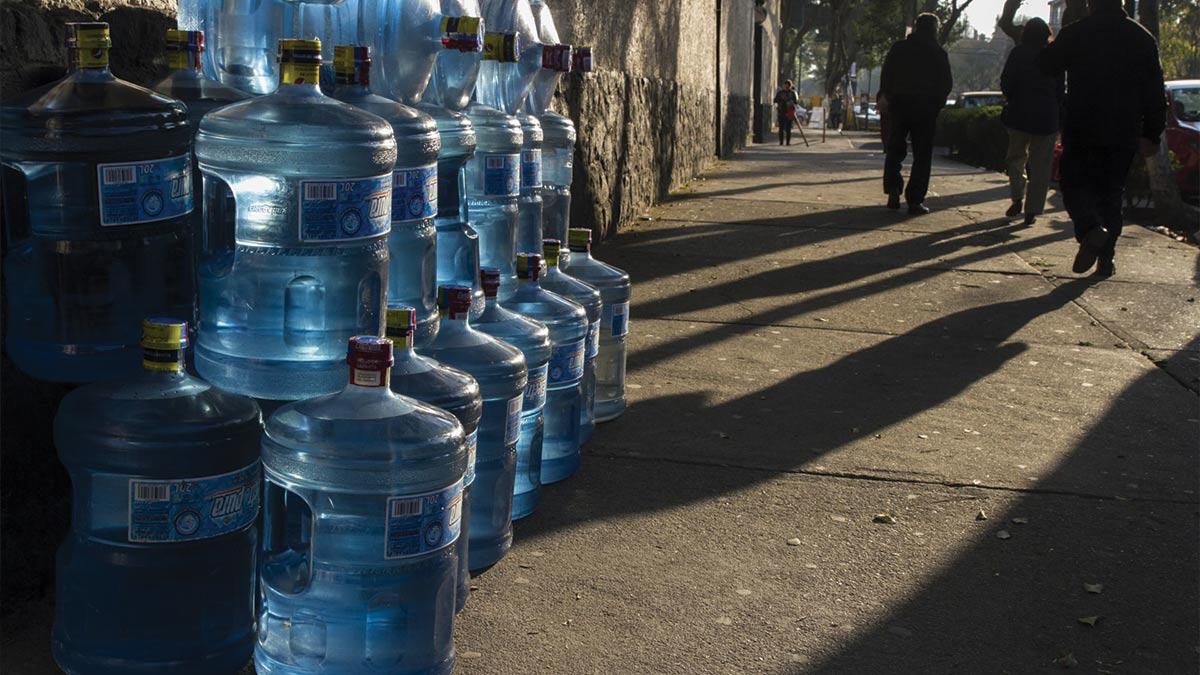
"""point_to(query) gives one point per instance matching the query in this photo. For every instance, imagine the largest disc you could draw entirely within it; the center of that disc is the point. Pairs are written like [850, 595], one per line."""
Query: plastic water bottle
[499, 369]
[409, 36]
[493, 183]
[412, 244]
[587, 297]
[456, 70]
[615, 290]
[450, 389]
[157, 572]
[533, 339]
[568, 324]
[558, 147]
[529, 204]
[362, 508]
[97, 201]
[298, 193]
[187, 82]
[505, 82]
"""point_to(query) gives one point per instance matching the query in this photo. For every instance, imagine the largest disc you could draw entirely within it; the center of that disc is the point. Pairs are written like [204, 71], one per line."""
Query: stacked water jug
[357, 215]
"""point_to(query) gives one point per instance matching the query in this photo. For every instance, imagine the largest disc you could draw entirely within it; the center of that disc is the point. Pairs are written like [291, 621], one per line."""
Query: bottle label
[512, 424]
[535, 389]
[531, 168]
[188, 509]
[566, 362]
[420, 524]
[345, 210]
[145, 192]
[501, 175]
[472, 444]
[593, 340]
[616, 316]
[414, 193]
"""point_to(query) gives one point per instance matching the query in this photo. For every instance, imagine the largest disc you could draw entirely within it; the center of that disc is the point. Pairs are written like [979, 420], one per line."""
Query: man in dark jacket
[913, 88]
[1116, 104]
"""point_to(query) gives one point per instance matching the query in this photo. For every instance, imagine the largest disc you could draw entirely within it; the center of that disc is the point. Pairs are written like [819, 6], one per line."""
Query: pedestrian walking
[785, 107]
[835, 113]
[913, 88]
[1033, 101]
[1115, 106]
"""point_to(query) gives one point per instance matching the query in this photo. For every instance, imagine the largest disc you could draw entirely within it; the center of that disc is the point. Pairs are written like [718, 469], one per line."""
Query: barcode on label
[320, 191]
[406, 507]
[152, 492]
[495, 162]
[119, 175]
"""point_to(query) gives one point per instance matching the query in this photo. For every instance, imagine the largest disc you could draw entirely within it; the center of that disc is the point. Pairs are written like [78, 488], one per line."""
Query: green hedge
[976, 135]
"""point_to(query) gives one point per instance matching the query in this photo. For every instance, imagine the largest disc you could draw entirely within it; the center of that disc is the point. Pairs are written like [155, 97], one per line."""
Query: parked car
[868, 119]
[978, 99]
[1182, 136]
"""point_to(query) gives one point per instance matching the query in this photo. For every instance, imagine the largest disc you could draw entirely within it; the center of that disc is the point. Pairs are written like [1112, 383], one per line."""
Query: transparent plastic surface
[276, 305]
[345, 474]
[81, 273]
[456, 392]
[533, 339]
[587, 297]
[615, 291]
[568, 326]
[558, 157]
[493, 190]
[500, 371]
[546, 80]
[412, 244]
[529, 204]
[457, 242]
[504, 86]
[161, 600]
[455, 72]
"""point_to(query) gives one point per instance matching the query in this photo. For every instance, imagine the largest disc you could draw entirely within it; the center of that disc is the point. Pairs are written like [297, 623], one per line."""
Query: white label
[512, 427]
[420, 524]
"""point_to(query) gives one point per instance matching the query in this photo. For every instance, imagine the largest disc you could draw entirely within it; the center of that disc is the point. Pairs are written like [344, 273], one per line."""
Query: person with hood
[913, 88]
[1116, 106]
[1031, 113]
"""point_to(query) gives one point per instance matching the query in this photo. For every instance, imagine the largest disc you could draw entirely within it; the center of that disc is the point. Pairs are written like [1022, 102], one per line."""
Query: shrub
[976, 134]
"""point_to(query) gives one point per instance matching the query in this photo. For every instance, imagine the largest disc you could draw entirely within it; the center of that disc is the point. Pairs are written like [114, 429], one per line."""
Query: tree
[797, 18]
[1179, 24]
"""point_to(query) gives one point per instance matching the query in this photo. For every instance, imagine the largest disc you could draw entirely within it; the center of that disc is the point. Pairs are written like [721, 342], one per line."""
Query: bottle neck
[184, 60]
[162, 361]
[581, 252]
[365, 379]
[91, 60]
[298, 78]
[356, 89]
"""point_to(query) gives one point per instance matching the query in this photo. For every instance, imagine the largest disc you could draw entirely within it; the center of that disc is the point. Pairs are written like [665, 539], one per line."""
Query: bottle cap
[300, 61]
[581, 59]
[369, 352]
[529, 266]
[88, 35]
[502, 47]
[163, 342]
[464, 33]
[556, 58]
[579, 238]
[489, 278]
[551, 249]
[352, 64]
[184, 48]
[401, 321]
[454, 301]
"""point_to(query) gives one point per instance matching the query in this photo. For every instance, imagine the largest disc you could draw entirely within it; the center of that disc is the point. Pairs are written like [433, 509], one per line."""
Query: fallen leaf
[1088, 620]
[1003, 534]
[981, 515]
[885, 518]
[1067, 660]
[794, 541]
[1093, 588]
[922, 436]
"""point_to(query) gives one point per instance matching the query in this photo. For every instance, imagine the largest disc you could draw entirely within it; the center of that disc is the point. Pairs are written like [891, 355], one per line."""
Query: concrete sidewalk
[803, 361]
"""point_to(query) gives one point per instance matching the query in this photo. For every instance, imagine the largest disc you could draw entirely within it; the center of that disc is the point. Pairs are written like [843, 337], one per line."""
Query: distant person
[1116, 106]
[785, 106]
[1033, 101]
[913, 88]
[835, 113]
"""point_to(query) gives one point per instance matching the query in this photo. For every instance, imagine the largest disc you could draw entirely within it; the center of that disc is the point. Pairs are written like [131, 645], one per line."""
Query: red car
[1182, 135]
